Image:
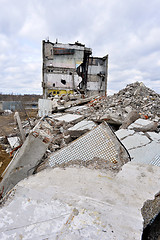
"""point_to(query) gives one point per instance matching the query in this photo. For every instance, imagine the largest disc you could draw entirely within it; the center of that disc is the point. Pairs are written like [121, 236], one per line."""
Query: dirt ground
[7, 122]
[7, 125]
[4, 160]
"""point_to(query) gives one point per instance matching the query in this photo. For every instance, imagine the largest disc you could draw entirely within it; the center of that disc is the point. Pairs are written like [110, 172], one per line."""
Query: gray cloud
[128, 31]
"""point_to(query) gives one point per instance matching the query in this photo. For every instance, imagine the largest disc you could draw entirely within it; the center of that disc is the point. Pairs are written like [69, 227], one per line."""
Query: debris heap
[74, 135]
[135, 96]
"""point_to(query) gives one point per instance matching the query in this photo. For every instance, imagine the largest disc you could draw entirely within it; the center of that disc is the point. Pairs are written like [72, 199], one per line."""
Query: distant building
[70, 67]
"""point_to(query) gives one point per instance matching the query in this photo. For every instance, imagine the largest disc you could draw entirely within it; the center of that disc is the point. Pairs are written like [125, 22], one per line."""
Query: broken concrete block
[24, 161]
[81, 128]
[112, 118]
[67, 139]
[128, 109]
[70, 118]
[143, 125]
[73, 204]
[131, 117]
[18, 120]
[44, 107]
[14, 141]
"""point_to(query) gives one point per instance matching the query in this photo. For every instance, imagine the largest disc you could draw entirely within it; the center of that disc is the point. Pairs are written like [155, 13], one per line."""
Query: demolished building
[70, 67]
[90, 169]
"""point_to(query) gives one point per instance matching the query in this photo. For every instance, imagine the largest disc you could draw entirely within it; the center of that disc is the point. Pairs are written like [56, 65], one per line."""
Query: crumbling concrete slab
[113, 118]
[56, 115]
[154, 136]
[142, 147]
[70, 118]
[123, 133]
[73, 204]
[80, 128]
[44, 107]
[137, 140]
[149, 154]
[140, 122]
[23, 163]
[26, 158]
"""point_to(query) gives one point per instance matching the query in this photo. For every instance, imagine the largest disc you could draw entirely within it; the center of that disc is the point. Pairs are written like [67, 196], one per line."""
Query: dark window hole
[63, 81]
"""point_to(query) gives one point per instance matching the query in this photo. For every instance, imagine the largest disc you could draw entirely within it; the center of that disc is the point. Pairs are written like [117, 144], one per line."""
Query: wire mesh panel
[98, 143]
[155, 161]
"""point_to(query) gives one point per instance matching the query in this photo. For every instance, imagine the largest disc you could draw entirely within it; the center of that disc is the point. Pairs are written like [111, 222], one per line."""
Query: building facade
[69, 68]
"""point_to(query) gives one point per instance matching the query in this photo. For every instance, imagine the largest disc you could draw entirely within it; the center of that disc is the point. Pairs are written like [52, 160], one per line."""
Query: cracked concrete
[142, 147]
[73, 204]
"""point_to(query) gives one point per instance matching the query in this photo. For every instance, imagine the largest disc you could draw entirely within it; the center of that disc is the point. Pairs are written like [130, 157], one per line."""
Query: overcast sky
[127, 30]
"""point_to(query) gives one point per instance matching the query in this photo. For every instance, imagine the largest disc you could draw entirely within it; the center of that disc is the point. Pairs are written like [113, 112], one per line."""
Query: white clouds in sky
[127, 30]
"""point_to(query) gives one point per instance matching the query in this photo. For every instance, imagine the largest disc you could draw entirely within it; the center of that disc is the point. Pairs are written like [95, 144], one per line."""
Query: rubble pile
[76, 135]
[114, 109]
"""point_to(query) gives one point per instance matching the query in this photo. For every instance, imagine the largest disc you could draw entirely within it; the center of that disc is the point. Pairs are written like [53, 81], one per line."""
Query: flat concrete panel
[122, 133]
[23, 163]
[148, 154]
[137, 140]
[83, 125]
[14, 141]
[154, 136]
[79, 203]
[70, 118]
[76, 109]
[139, 123]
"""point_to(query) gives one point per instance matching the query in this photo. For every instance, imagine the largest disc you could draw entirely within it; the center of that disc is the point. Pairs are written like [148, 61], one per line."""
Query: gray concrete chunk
[70, 118]
[81, 127]
[24, 162]
[79, 203]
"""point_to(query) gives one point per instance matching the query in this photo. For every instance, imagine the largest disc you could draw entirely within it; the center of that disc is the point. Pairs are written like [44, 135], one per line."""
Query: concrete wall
[61, 62]
[55, 80]
[97, 75]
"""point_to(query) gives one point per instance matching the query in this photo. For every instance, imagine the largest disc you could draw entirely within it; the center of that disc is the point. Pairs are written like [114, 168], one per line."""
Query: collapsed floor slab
[79, 203]
[142, 147]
